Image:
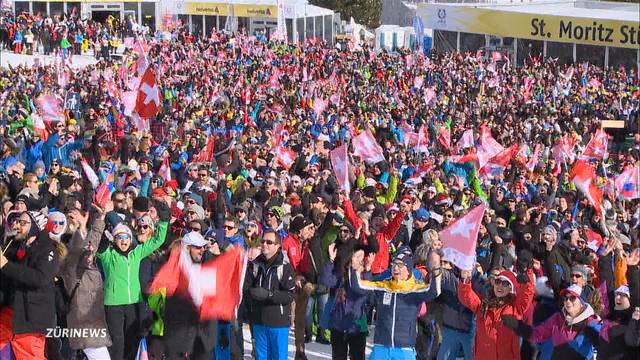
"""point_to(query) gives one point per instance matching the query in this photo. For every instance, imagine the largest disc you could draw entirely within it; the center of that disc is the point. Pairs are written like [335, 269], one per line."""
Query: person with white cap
[184, 332]
[573, 331]
[121, 266]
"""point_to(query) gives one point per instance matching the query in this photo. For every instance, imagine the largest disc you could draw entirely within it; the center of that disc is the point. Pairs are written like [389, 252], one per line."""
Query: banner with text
[589, 31]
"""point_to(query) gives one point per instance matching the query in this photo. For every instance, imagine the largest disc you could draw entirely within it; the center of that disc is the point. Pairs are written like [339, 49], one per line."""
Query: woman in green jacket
[121, 267]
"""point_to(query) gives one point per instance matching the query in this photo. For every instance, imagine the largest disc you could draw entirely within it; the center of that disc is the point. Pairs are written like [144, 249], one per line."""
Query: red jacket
[293, 248]
[384, 237]
[493, 340]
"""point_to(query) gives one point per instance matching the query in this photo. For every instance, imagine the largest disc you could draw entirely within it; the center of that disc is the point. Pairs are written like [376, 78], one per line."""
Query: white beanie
[122, 229]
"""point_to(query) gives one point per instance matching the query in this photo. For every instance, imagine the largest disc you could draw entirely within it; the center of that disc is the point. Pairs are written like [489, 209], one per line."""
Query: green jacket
[121, 273]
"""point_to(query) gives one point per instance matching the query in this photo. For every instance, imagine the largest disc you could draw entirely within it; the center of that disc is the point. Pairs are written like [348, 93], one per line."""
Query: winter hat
[575, 290]
[196, 209]
[56, 217]
[404, 256]
[38, 165]
[624, 290]
[195, 197]
[278, 211]
[580, 269]
[298, 223]
[509, 277]
[122, 229]
[421, 214]
[551, 231]
[38, 222]
[194, 238]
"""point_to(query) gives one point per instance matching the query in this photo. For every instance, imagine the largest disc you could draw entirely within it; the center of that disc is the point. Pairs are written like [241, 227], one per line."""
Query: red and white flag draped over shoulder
[459, 239]
[365, 146]
[597, 146]
[285, 157]
[627, 183]
[340, 164]
[149, 99]
[583, 176]
[214, 287]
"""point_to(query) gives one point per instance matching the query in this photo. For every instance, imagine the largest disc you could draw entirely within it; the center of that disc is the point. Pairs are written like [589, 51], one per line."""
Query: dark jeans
[198, 353]
[122, 321]
[352, 344]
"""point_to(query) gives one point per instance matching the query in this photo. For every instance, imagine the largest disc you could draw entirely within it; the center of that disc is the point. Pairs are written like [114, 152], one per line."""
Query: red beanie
[510, 277]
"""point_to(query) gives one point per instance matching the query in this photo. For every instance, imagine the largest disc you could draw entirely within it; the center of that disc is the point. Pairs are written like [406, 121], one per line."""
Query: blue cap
[422, 214]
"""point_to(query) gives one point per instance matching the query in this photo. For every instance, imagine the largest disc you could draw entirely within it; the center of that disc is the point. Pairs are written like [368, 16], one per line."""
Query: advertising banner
[589, 31]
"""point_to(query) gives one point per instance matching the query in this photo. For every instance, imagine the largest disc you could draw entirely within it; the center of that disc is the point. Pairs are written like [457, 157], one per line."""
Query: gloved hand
[164, 211]
[224, 339]
[510, 321]
[260, 294]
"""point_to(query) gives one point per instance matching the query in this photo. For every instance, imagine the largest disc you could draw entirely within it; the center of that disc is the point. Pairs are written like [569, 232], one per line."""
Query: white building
[302, 19]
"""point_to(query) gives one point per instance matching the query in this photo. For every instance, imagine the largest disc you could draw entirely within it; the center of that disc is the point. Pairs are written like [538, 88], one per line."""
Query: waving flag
[444, 136]
[459, 239]
[627, 183]
[91, 175]
[214, 287]
[466, 141]
[429, 96]
[285, 157]
[149, 99]
[495, 167]
[583, 176]
[206, 154]
[365, 146]
[104, 191]
[49, 108]
[597, 146]
[340, 164]
[533, 160]
[165, 170]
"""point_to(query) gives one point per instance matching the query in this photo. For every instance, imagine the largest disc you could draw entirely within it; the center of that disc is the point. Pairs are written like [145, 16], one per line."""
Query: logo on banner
[442, 17]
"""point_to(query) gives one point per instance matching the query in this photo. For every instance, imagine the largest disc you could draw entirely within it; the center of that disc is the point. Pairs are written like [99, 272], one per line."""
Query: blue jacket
[397, 303]
[347, 315]
[32, 153]
[454, 314]
[51, 151]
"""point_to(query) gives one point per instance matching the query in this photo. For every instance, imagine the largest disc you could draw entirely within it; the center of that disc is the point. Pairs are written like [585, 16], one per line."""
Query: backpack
[279, 269]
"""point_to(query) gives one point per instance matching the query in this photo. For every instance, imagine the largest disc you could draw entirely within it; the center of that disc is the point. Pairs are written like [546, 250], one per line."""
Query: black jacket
[28, 285]
[276, 310]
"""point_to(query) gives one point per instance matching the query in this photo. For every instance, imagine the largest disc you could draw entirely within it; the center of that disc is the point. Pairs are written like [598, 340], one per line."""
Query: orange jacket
[493, 340]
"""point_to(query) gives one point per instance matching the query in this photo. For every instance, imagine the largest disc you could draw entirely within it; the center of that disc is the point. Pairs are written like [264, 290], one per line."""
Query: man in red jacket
[300, 231]
[385, 232]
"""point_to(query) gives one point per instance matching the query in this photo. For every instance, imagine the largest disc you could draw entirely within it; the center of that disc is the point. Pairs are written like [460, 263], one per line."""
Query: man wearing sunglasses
[184, 332]
[269, 284]
[27, 271]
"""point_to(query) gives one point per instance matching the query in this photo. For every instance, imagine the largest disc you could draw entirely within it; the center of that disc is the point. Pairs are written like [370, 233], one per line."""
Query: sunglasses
[227, 227]
[191, 202]
[58, 222]
[203, 175]
[577, 276]
[271, 215]
[197, 247]
[345, 231]
[571, 298]
[268, 242]
[22, 222]
[123, 237]
[145, 227]
[503, 283]
[54, 164]
[398, 265]
[448, 216]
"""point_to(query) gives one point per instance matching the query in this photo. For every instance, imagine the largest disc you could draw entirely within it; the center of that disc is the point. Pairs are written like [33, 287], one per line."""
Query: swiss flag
[340, 164]
[627, 183]
[149, 100]
[214, 287]
[583, 176]
[597, 146]
[285, 157]
[459, 239]
[365, 146]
